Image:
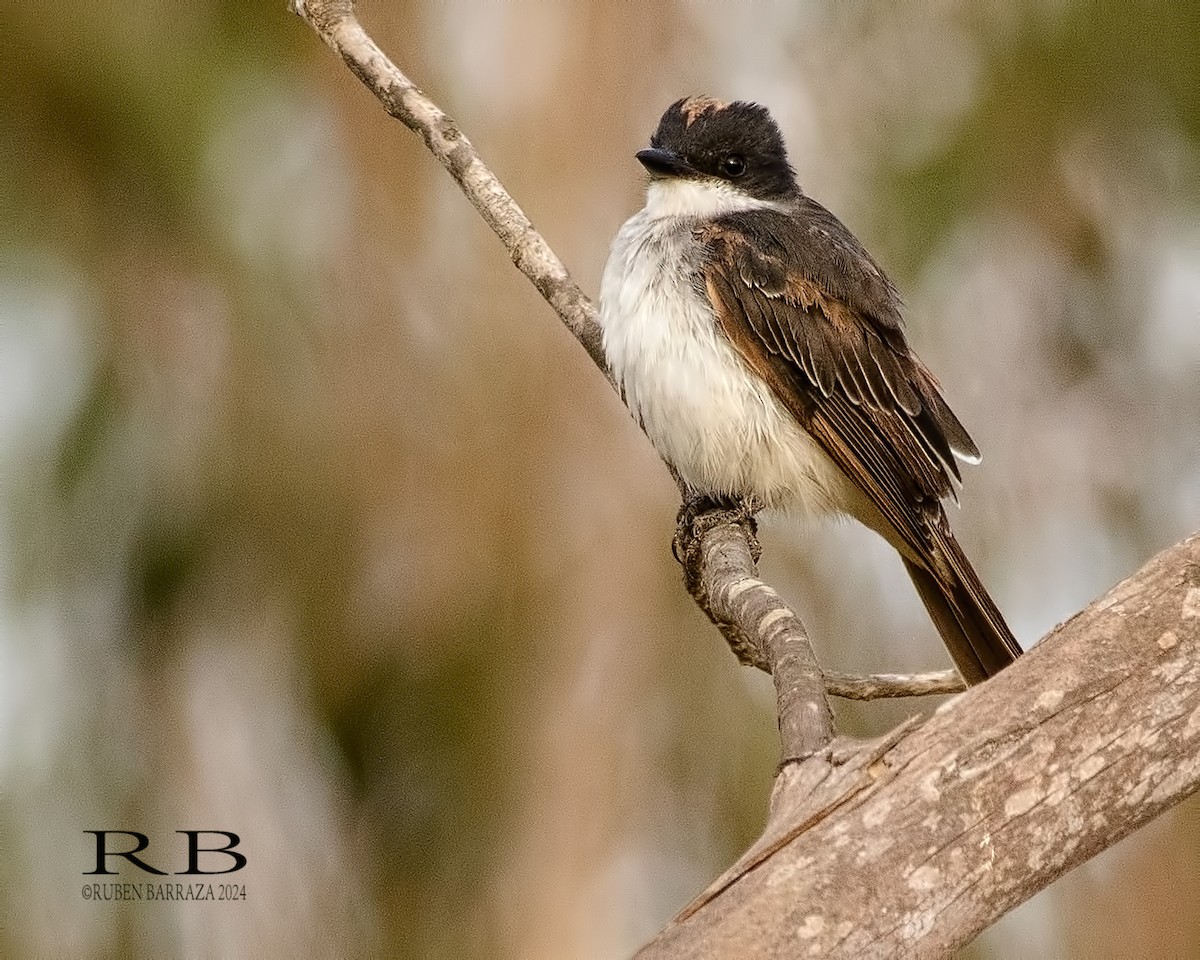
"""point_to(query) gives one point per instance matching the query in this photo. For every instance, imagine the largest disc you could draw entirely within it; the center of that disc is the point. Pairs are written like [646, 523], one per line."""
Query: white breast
[715, 422]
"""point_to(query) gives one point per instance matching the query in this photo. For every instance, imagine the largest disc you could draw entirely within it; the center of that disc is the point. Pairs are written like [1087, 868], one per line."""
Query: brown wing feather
[833, 352]
[869, 402]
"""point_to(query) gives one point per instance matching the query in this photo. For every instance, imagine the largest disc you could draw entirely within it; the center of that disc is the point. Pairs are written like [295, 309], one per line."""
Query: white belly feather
[716, 423]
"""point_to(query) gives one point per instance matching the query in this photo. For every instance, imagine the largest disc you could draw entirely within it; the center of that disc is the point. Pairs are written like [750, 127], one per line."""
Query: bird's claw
[700, 512]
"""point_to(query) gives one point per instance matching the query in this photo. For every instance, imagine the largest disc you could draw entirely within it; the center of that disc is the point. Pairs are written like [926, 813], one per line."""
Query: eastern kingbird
[762, 350]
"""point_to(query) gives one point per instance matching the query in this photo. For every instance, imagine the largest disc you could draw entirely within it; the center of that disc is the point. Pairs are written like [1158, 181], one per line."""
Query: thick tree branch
[913, 845]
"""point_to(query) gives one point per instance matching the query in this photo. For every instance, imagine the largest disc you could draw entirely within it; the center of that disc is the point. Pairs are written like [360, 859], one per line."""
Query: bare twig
[880, 686]
[335, 22]
[719, 552]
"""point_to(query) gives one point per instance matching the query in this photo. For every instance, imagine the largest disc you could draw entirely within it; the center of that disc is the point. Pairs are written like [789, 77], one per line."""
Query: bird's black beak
[663, 163]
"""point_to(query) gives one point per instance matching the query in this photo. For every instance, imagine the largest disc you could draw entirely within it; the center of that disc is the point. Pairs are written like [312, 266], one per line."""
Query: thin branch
[881, 686]
[335, 23]
[718, 548]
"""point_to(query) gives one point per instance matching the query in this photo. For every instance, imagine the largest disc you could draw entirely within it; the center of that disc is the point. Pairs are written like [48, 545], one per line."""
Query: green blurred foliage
[1118, 72]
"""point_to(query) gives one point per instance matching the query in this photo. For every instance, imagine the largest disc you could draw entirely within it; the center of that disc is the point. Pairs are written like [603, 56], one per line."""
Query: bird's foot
[701, 512]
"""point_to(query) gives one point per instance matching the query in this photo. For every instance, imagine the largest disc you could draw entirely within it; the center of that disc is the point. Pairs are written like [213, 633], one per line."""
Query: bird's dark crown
[737, 142]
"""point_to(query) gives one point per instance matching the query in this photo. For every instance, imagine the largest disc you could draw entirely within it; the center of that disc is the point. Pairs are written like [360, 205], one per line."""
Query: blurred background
[317, 527]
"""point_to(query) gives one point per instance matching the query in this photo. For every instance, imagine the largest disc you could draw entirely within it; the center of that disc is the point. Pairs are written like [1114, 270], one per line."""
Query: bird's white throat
[675, 197]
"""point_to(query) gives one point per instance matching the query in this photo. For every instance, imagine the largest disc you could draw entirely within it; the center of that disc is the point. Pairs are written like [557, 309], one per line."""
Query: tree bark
[912, 845]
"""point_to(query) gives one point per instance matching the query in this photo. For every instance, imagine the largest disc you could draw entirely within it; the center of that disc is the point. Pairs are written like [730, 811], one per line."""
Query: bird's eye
[733, 165]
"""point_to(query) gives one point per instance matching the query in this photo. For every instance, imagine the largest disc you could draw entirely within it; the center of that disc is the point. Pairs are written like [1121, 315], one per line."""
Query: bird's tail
[971, 626]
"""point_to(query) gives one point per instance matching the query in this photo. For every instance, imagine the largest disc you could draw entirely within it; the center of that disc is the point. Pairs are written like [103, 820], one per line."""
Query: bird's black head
[739, 143]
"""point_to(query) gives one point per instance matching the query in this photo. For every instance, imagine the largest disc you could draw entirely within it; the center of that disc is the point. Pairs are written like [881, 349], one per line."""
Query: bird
[762, 350]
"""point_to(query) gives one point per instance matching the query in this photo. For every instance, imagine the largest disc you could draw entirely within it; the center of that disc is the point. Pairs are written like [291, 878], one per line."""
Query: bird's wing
[810, 313]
